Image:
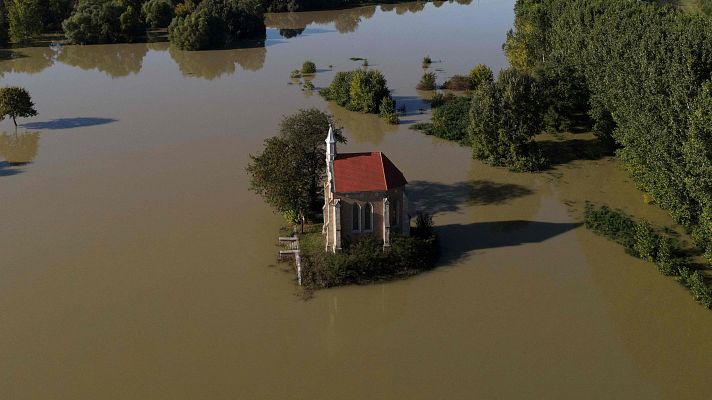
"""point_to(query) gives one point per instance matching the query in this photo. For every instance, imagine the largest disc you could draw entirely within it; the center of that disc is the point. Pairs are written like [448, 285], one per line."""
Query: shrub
[450, 119]
[387, 110]
[641, 240]
[158, 13]
[104, 21]
[217, 24]
[365, 260]
[308, 67]
[439, 99]
[361, 91]
[645, 241]
[295, 74]
[308, 85]
[427, 61]
[427, 82]
[457, 83]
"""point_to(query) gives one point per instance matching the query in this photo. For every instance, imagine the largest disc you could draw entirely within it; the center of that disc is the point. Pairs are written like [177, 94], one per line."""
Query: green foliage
[158, 13]
[645, 241]
[295, 74]
[361, 91]
[480, 75]
[25, 19]
[104, 21]
[15, 102]
[564, 95]
[504, 117]
[217, 24]
[457, 83]
[644, 72]
[450, 118]
[427, 82]
[4, 34]
[308, 85]
[289, 172]
[427, 61]
[642, 240]
[308, 67]
[387, 110]
[365, 261]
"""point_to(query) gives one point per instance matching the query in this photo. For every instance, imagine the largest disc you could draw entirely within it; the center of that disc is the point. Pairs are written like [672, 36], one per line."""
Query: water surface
[136, 264]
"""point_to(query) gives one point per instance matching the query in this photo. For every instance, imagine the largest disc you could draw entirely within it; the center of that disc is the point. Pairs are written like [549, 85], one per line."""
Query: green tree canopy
[289, 171]
[25, 19]
[504, 117]
[218, 24]
[16, 102]
[105, 21]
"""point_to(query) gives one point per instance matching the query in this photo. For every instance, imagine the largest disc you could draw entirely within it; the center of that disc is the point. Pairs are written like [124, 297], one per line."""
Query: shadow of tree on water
[7, 170]
[434, 197]
[68, 123]
[457, 241]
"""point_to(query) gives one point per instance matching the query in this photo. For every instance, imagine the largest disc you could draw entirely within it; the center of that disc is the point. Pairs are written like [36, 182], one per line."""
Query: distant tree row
[193, 24]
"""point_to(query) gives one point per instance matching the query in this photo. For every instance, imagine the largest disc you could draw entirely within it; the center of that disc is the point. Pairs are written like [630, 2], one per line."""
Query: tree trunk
[14, 122]
[303, 222]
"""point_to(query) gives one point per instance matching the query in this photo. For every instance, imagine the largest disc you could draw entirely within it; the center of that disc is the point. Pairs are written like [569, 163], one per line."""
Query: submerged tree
[16, 102]
[289, 172]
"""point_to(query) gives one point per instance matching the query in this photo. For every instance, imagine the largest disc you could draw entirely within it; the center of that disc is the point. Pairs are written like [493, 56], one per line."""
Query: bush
[158, 13]
[449, 119]
[308, 68]
[218, 24]
[365, 261]
[645, 241]
[104, 21]
[427, 82]
[457, 83]
[362, 91]
[427, 61]
[387, 110]
[641, 240]
[295, 74]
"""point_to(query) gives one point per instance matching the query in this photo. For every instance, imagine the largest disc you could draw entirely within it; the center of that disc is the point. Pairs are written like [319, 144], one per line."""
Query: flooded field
[135, 264]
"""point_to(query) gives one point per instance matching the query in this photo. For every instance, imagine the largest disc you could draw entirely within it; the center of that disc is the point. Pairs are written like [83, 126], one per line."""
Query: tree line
[191, 24]
[645, 73]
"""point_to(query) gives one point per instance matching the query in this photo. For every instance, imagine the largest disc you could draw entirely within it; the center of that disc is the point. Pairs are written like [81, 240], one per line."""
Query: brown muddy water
[135, 264]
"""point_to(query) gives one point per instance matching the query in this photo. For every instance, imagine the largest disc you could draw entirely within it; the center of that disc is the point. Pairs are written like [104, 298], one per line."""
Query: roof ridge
[383, 170]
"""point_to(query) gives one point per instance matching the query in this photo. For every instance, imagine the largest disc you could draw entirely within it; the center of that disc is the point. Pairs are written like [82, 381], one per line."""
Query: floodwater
[135, 264]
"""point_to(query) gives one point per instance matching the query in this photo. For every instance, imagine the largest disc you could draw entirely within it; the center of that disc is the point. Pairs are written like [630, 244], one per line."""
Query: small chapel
[364, 194]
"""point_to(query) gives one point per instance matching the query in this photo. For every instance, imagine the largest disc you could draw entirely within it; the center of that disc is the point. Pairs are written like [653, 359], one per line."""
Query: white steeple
[330, 156]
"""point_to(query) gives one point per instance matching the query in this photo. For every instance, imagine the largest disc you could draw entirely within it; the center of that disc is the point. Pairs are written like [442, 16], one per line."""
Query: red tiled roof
[365, 172]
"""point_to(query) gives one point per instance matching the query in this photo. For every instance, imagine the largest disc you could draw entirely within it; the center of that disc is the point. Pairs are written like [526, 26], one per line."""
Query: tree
[218, 24]
[158, 13]
[289, 172]
[308, 67]
[504, 117]
[427, 82]
[479, 75]
[4, 35]
[16, 102]
[105, 21]
[25, 19]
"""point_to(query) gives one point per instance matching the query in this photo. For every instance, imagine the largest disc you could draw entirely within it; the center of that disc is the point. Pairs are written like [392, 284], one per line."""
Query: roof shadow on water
[434, 197]
[458, 240]
[68, 123]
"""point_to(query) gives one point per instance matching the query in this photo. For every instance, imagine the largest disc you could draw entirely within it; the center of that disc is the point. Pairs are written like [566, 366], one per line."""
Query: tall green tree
[289, 171]
[25, 19]
[504, 118]
[15, 102]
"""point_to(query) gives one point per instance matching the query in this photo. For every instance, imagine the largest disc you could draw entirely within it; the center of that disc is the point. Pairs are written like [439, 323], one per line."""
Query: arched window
[368, 217]
[355, 217]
